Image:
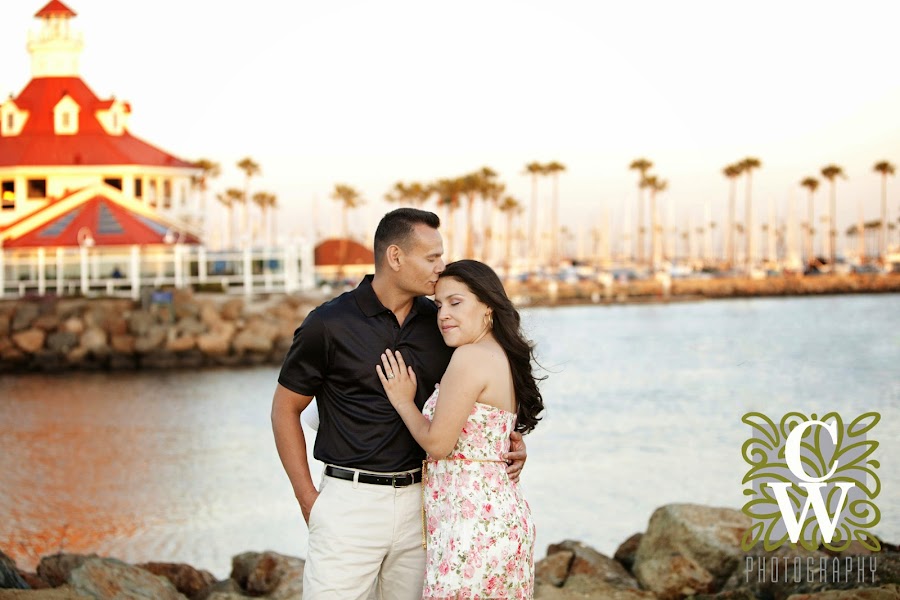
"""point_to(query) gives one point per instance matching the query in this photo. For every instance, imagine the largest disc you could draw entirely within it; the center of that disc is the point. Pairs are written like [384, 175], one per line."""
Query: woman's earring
[490, 320]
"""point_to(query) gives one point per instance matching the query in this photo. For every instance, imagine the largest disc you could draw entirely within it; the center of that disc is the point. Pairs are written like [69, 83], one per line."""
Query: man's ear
[394, 257]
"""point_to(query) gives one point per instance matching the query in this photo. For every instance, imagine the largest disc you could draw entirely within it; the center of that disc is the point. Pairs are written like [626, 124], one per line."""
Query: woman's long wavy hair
[484, 283]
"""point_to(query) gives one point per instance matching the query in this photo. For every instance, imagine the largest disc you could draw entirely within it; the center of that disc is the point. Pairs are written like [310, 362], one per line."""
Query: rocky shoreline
[177, 329]
[687, 551]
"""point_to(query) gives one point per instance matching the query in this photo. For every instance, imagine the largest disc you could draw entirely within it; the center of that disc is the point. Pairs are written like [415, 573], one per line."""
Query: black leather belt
[398, 480]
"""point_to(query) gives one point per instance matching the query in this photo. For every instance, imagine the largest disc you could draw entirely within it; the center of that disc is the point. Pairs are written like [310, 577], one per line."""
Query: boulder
[274, 575]
[61, 593]
[111, 579]
[232, 309]
[123, 343]
[251, 341]
[627, 550]
[587, 561]
[180, 343]
[189, 581]
[94, 340]
[61, 342]
[9, 574]
[212, 344]
[152, 339]
[25, 315]
[30, 340]
[139, 322]
[689, 549]
[48, 322]
[73, 325]
[554, 569]
[56, 568]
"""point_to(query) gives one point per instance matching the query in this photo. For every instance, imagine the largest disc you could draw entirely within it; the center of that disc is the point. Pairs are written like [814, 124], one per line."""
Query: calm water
[644, 407]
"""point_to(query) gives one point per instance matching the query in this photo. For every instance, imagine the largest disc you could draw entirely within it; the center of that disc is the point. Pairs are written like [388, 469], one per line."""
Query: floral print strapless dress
[479, 530]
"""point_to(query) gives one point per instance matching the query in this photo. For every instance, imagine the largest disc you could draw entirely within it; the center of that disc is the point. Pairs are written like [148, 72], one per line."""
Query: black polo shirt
[333, 358]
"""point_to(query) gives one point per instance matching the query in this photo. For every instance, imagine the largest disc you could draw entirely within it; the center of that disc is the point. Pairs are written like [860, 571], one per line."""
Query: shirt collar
[369, 303]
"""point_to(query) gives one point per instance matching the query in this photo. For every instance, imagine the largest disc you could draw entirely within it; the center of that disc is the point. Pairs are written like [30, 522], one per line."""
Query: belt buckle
[403, 478]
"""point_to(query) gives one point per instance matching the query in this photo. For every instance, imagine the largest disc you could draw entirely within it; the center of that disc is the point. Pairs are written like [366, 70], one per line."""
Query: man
[365, 520]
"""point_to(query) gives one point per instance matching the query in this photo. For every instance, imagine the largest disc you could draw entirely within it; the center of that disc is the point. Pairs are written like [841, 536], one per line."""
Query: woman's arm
[461, 387]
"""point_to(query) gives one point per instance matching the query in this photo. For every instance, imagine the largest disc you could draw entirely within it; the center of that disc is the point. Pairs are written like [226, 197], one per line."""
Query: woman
[478, 526]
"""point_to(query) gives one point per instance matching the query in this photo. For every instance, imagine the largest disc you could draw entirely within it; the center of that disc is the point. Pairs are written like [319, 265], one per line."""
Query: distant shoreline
[651, 291]
[207, 330]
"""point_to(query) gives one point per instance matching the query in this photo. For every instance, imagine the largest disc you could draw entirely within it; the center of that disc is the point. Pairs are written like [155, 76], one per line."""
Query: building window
[37, 188]
[167, 193]
[66, 120]
[138, 187]
[8, 194]
[153, 190]
[10, 122]
[115, 182]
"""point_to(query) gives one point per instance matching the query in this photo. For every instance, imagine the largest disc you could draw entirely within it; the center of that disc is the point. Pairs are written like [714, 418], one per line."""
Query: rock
[152, 339]
[25, 315]
[123, 344]
[707, 537]
[191, 326]
[30, 340]
[626, 552]
[94, 340]
[9, 574]
[4, 325]
[73, 325]
[232, 309]
[186, 579]
[271, 574]
[554, 569]
[885, 592]
[591, 563]
[250, 341]
[212, 344]
[209, 316]
[119, 361]
[184, 304]
[180, 344]
[56, 568]
[48, 322]
[139, 322]
[222, 590]
[70, 307]
[62, 341]
[111, 579]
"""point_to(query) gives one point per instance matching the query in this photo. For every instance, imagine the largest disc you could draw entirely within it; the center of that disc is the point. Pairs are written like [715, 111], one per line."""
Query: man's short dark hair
[397, 226]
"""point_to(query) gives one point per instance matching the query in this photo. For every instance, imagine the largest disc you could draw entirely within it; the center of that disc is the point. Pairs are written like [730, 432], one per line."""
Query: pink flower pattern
[480, 534]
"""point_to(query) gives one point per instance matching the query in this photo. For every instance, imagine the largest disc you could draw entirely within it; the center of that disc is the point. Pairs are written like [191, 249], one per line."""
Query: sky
[369, 93]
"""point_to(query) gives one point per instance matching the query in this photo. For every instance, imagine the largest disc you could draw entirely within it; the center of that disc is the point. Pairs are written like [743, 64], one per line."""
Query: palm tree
[265, 201]
[234, 196]
[491, 192]
[642, 165]
[747, 165]
[535, 169]
[655, 185]
[811, 184]
[250, 169]
[732, 172]
[832, 172]
[208, 170]
[553, 169]
[511, 207]
[884, 168]
[474, 184]
[225, 200]
[349, 198]
[448, 192]
[399, 194]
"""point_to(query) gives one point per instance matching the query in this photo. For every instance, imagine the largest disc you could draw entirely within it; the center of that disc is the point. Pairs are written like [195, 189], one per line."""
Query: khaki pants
[365, 541]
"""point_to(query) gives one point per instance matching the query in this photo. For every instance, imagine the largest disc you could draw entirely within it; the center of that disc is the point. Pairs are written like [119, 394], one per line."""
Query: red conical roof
[55, 7]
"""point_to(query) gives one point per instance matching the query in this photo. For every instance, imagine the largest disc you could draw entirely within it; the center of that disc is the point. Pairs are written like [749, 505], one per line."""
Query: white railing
[126, 270]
